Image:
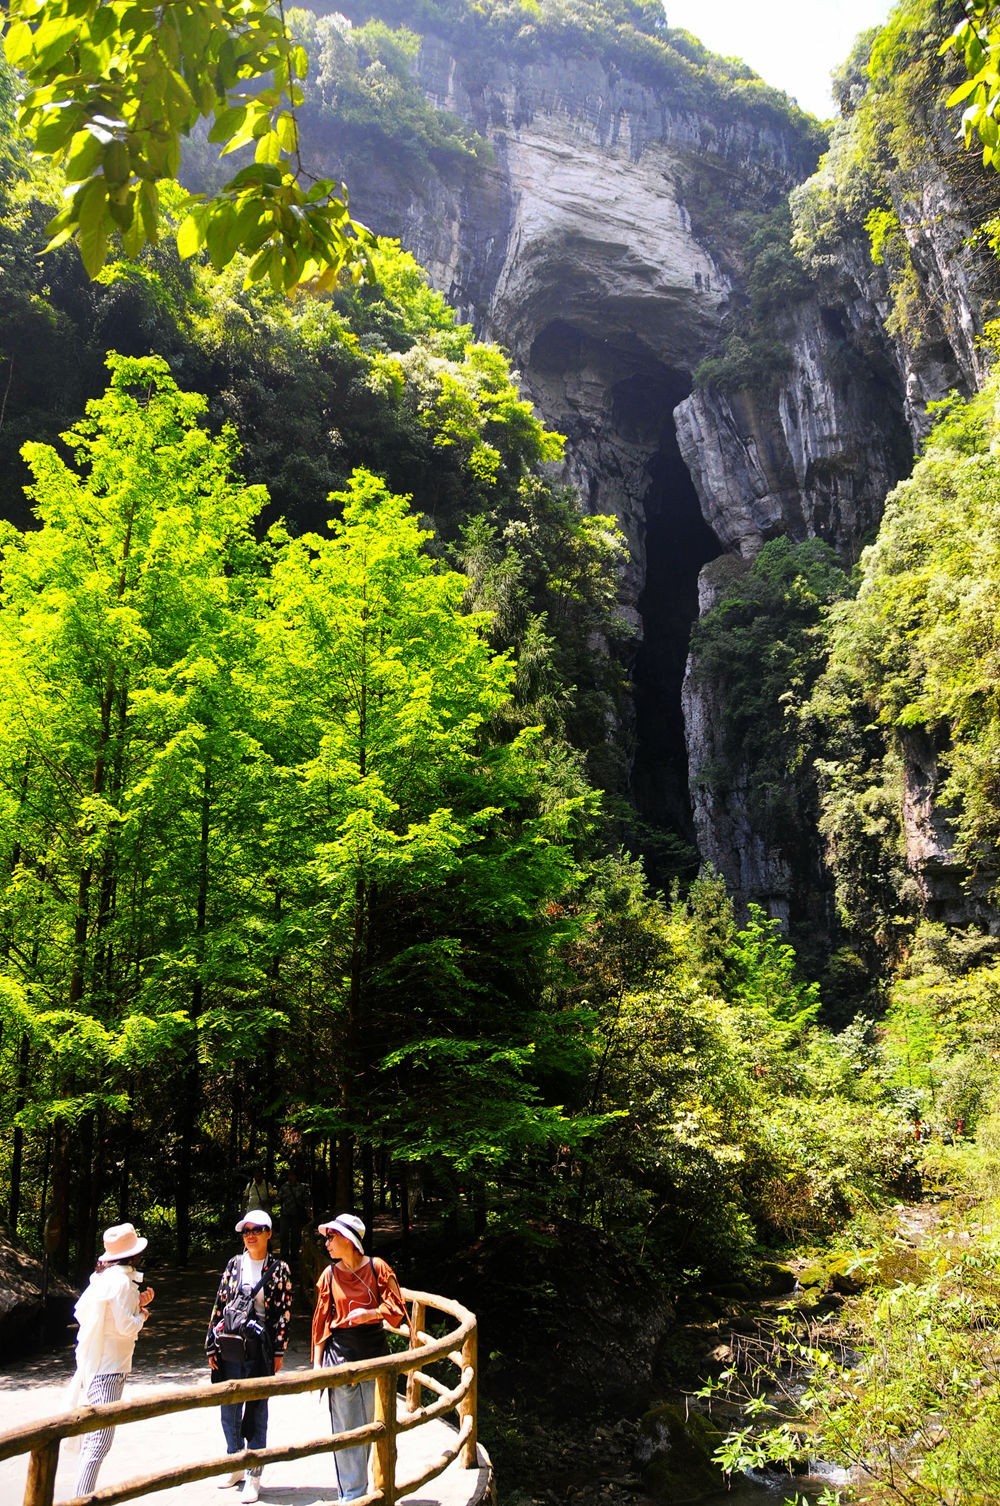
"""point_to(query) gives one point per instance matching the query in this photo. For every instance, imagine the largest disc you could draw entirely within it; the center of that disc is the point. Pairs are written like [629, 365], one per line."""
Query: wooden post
[40, 1486]
[418, 1317]
[467, 1407]
[385, 1446]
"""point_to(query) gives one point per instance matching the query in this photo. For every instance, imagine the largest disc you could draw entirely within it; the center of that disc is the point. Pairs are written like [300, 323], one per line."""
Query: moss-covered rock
[674, 1452]
[772, 1279]
[841, 1273]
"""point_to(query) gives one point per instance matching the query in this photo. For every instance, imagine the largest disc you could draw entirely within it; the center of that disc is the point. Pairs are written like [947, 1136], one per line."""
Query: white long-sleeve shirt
[110, 1318]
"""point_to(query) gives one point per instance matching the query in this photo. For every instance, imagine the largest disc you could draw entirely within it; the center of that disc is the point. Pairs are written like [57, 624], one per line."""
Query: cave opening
[678, 543]
[614, 397]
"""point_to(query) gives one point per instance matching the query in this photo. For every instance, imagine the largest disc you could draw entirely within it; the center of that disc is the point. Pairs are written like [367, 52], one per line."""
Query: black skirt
[364, 1342]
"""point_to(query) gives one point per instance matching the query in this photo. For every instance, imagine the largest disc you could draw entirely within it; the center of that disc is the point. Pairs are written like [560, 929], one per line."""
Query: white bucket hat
[255, 1216]
[121, 1241]
[349, 1225]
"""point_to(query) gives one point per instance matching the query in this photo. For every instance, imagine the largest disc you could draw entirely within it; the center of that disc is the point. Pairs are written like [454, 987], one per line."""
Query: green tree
[121, 760]
[976, 39]
[424, 857]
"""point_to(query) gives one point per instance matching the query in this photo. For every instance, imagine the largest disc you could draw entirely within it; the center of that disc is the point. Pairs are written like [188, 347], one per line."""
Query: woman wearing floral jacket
[259, 1274]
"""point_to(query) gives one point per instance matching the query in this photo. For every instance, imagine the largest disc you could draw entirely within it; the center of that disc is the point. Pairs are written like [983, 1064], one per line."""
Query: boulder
[36, 1307]
[674, 1452]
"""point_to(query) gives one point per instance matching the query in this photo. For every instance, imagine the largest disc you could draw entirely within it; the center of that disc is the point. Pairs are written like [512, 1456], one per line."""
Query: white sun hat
[349, 1225]
[121, 1241]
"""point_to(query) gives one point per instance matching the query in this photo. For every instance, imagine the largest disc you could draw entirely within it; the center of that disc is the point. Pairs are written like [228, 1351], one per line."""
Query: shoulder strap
[260, 1281]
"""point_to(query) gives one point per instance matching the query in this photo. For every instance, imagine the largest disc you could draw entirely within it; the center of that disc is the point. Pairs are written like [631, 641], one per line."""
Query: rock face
[949, 892]
[590, 250]
[813, 459]
[34, 1308]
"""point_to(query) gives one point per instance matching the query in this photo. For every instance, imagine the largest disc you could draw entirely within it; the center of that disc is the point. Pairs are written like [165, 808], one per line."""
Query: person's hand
[146, 1297]
[318, 1357]
[213, 1362]
[361, 1315]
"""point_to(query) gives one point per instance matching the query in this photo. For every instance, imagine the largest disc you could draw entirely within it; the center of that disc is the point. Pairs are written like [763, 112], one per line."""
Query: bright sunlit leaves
[113, 89]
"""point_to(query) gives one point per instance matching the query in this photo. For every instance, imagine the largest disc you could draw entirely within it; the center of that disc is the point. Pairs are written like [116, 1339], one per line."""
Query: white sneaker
[236, 1478]
[251, 1489]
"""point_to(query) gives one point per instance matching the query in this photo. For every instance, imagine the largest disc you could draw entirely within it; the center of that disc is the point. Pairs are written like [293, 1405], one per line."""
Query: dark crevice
[615, 400]
[678, 544]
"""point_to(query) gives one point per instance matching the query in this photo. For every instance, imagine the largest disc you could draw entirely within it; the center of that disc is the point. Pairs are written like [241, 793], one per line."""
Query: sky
[793, 44]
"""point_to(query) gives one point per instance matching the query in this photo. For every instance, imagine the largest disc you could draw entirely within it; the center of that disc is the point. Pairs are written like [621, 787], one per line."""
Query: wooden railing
[42, 1439]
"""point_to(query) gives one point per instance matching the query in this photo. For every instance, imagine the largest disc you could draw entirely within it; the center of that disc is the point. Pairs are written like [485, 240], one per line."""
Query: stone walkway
[169, 1355]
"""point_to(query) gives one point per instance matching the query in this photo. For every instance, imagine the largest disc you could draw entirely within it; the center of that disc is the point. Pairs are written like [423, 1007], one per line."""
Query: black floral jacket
[277, 1302]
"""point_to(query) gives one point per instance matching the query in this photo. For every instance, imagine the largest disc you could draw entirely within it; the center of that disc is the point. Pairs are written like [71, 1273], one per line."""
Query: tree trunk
[368, 1186]
[57, 1218]
[86, 1213]
[17, 1148]
[125, 1178]
[190, 1088]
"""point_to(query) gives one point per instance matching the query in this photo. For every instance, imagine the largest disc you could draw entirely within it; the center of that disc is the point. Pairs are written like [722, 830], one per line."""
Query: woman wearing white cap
[111, 1314]
[355, 1296]
[262, 1277]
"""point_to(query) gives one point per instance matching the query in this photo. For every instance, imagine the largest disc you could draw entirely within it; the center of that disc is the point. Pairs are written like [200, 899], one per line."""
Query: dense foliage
[364, 79]
[310, 818]
[252, 804]
[912, 676]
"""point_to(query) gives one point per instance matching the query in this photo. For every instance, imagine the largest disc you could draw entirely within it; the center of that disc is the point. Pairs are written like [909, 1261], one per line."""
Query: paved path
[168, 1355]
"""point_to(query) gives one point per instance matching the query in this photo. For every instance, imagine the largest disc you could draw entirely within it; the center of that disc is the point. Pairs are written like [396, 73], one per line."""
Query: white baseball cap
[255, 1216]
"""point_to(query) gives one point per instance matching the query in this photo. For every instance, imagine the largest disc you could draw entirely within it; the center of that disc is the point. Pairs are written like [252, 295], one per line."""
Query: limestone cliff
[602, 241]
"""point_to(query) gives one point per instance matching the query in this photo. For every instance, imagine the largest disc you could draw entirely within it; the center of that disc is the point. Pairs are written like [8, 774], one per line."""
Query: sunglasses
[255, 1229]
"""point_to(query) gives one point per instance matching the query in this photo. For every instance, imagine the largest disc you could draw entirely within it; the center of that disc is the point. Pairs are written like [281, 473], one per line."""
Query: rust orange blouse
[340, 1292]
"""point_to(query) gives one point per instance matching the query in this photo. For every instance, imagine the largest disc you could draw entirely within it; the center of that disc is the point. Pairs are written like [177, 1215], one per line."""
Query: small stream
[772, 1489]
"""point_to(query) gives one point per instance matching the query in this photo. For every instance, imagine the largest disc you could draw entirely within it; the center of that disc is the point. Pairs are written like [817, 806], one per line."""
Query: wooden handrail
[42, 1439]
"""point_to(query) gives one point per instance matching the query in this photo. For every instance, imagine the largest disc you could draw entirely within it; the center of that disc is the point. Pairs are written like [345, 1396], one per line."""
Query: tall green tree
[425, 856]
[120, 621]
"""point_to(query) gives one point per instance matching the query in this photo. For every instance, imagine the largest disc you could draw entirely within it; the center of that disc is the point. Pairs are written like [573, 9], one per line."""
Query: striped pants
[95, 1447]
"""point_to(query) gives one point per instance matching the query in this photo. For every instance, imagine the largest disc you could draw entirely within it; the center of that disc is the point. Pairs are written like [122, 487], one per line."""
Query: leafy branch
[113, 89]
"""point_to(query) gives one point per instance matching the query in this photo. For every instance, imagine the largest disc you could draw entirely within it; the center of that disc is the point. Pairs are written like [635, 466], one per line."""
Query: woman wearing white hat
[265, 1285]
[111, 1314]
[355, 1296]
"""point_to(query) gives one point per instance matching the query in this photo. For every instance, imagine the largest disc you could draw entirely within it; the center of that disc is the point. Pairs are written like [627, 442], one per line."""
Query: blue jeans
[243, 1420]
[352, 1407]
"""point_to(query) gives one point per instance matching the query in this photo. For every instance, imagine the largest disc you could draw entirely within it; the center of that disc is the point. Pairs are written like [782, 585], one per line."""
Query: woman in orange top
[355, 1296]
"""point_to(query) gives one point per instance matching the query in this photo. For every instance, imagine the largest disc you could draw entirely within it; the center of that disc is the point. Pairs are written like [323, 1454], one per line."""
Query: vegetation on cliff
[912, 665]
[629, 35]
